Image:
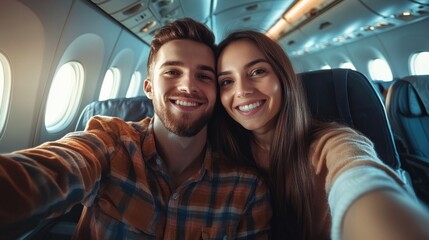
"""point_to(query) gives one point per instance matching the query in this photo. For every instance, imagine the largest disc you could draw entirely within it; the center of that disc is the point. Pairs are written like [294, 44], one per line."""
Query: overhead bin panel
[114, 6]
[348, 21]
[198, 10]
[389, 8]
[247, 14]
[340, 24]
[221, 6]
[293, 43]
[132, 10]
[143, 17]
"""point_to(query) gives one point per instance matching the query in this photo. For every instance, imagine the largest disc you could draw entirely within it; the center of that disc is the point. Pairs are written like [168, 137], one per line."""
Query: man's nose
[188, 83]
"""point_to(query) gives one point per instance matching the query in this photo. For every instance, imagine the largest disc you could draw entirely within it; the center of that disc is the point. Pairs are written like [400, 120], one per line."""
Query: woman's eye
[225, 82]
[257, 72]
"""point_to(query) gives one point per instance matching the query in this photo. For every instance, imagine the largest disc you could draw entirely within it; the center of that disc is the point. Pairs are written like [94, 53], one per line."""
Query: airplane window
[325, 67]
[419, 63]
[110, 86]
[64, 96]
[348, 65]
[133, 89]
[5, 81]
[379, 70]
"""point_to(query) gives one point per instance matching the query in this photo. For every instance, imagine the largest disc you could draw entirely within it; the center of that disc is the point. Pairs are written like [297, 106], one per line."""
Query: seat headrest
[128, 109]
[348, 97]
[417, 103]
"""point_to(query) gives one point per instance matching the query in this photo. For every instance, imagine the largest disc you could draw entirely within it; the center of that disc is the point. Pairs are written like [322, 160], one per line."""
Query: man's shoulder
[108, 123]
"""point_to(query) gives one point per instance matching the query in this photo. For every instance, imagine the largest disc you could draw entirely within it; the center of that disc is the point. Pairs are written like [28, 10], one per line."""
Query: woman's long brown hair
[290, 174]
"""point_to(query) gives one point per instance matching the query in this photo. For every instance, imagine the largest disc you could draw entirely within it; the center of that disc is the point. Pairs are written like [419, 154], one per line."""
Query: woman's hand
[385, 215]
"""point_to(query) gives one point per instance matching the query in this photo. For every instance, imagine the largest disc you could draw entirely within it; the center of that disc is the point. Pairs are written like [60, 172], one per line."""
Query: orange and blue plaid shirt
[114, 170]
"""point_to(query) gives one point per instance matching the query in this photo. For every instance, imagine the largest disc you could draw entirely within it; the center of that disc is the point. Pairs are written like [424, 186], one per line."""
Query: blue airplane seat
[407, 105]
[348, 97]
[128, 109]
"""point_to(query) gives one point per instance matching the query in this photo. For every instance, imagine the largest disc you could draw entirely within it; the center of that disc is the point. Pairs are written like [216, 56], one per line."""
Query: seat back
[348, 97]
[128, 109]
[407, 104]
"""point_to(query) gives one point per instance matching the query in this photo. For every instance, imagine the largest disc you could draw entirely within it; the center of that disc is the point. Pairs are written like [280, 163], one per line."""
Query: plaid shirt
[114, 170]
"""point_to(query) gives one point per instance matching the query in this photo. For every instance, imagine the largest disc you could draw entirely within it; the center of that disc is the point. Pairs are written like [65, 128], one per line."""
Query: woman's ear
[147, 88]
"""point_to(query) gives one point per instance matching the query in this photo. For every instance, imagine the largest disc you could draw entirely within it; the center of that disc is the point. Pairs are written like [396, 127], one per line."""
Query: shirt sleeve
[255, 222]
[353, 169]
[49, 179]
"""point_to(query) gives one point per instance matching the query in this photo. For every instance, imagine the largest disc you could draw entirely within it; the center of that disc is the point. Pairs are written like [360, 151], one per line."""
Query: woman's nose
[243, 89]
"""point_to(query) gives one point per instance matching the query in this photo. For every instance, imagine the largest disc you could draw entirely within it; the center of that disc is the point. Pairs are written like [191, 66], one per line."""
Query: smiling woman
[321, 174]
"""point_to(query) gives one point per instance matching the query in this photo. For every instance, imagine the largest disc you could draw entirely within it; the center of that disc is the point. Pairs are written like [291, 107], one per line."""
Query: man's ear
[147, 87]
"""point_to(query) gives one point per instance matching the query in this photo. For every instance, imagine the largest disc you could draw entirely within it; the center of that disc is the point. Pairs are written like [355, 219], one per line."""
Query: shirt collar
[150, 155]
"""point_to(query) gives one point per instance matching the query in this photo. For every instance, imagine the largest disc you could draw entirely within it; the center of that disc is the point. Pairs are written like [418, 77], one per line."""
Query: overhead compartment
[392, 8]
[239, 15]
[348, 21]
[144, 17]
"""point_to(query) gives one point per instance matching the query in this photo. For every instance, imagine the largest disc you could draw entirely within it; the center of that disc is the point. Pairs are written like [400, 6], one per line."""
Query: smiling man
[153, 179]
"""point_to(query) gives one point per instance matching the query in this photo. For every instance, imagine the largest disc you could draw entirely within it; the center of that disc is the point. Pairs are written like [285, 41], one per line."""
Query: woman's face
[250, 91]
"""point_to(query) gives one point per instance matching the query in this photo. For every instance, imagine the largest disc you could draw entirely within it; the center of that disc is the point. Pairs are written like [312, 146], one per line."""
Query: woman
[267, 125]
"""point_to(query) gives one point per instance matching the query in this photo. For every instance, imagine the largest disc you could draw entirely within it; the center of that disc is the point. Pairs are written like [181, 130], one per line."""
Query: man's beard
[182, 126]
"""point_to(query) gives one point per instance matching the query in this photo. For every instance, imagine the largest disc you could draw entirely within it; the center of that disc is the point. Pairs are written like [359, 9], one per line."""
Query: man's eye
[171, 72]
[204, 77]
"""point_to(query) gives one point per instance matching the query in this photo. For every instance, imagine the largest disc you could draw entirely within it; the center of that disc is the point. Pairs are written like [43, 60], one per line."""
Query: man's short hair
[185, 28]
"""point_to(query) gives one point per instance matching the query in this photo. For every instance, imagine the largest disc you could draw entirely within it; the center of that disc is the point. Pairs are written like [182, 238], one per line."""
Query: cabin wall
[42, 39]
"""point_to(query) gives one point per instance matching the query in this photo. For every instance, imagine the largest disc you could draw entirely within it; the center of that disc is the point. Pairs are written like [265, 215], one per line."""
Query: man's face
[183, 86]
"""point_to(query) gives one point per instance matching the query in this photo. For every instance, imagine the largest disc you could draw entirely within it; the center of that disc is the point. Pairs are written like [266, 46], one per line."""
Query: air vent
[165, 3]
[252, 7]
[132, 10]
[324, 25]
[246, 19]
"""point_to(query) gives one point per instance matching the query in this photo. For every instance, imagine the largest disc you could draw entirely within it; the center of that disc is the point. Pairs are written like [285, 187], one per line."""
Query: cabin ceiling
[143, 17]
[325, 24]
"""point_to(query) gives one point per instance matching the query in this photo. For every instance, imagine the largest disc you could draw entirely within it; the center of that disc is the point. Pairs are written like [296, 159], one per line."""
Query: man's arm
[49, 179]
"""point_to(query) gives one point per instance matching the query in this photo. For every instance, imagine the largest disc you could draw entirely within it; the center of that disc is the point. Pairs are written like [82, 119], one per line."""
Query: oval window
[64, 96]
[379, 70]
[347, 65]
[134, 87]
[419, 63]
[110, 86]
[5, 88]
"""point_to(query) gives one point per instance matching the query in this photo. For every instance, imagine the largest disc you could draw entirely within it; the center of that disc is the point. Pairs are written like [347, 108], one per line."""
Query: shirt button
[175, 196]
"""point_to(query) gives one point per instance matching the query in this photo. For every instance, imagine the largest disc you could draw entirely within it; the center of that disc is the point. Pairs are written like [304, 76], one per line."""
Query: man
[153, 179]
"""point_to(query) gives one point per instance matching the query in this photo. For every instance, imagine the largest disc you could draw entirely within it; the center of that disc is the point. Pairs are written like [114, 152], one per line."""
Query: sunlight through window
[419, 63]
[110, 86]
[380, 70]
[347, 65]
[5, 88]
[134, 87]
[64, 96]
